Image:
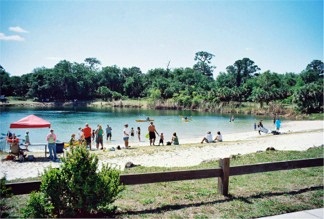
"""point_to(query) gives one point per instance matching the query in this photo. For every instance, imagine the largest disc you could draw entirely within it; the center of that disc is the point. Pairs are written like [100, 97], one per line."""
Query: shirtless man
[152, 132]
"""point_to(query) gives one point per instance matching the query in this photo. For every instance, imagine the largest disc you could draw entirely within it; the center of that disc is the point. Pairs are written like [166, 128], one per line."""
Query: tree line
[188, 87]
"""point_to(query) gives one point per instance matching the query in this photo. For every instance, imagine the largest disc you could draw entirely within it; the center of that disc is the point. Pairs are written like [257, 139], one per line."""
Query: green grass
[250, 196]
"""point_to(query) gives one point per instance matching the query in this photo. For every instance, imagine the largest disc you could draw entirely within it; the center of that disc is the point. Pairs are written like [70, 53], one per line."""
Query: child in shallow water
[139, 133]
[161, 139]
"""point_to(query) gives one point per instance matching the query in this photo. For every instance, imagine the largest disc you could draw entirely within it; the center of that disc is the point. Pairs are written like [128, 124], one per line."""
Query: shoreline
[295, 135]
[230, 108]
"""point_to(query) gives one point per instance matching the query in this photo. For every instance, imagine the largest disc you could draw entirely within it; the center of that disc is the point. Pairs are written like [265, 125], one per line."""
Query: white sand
[296, 135]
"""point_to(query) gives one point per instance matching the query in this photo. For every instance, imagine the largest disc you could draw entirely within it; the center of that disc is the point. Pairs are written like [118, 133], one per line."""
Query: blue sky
[280, 36]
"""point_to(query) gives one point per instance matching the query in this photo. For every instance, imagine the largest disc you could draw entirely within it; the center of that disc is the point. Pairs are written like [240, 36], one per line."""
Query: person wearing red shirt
[87, 135]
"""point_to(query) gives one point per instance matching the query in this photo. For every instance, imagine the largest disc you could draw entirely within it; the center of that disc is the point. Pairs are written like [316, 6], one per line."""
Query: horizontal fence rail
[144, 178]
[223, 173]
[267, 167]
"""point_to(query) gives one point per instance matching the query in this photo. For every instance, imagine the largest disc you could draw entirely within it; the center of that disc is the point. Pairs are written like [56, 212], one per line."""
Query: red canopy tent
[31, 121]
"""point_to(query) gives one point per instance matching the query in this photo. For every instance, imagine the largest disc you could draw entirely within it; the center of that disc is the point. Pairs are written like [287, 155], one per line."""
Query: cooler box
[59, 147]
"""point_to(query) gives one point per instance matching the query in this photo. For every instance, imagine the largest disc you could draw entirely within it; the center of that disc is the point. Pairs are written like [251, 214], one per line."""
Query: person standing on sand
[87, 135]
[161, 139]
[126, 136]
[99, 137]
[95, 141]
[152, 132]
[80, 135]
[51, 139]
[260, 126]
[139, 133]
[278, 124]
[27, 140]
[93, 135]
[132, 132]
[108, 132]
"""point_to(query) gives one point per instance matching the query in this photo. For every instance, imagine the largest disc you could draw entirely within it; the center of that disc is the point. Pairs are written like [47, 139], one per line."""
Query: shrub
[38, 206]
[78, 189]
[309, 98]
[4, 193]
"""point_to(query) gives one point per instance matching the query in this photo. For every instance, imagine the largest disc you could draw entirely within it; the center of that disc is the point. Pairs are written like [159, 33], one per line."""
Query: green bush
[78, 189]
[4, 193]
[309, 98]
[38, 206]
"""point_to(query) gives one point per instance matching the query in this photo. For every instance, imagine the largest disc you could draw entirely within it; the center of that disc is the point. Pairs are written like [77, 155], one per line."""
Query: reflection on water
[67, 121]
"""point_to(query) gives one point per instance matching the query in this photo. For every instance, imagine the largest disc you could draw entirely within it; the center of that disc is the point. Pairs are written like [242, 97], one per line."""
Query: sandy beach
[295, 135]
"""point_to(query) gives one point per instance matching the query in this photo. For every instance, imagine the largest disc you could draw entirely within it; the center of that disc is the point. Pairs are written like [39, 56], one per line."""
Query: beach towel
[264, 130]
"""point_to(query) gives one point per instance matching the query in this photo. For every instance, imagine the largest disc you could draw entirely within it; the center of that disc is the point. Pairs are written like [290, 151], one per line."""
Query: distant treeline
[190, 87]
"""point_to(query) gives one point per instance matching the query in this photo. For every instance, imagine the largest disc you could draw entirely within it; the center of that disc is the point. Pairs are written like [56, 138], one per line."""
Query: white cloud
[18, 29]
[11, 37]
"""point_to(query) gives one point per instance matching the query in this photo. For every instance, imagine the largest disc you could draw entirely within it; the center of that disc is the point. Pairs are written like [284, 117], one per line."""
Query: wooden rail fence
[222, 173]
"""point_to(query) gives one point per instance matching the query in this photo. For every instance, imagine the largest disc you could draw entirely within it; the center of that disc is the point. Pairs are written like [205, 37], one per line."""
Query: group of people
[175, 140]
[138, 132]
[152, 133]
[152, 137]
[16, 149]
[86, 135]
[20, 152]
[260, 127]
[208, 138]
[15, 144]
[127, 133]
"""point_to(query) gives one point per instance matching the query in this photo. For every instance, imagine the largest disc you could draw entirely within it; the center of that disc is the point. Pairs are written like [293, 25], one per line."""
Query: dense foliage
[4, 193]
[185, 87]
[76, 189]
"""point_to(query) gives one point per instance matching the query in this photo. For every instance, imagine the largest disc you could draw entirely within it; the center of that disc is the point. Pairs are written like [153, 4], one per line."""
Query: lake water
[67, 121]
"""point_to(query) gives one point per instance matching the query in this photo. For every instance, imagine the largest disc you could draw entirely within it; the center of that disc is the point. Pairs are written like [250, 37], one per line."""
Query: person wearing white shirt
[219, 137]
[126, 136]
[208, 138]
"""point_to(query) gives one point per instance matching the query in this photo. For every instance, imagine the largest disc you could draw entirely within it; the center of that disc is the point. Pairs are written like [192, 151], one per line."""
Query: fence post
[223, 181]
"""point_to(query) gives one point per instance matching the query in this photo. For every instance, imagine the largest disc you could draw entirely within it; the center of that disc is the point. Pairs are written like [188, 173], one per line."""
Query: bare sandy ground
[296, 135]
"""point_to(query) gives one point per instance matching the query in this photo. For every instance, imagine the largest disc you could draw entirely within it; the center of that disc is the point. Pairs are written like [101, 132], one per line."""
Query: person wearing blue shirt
[278, 124]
